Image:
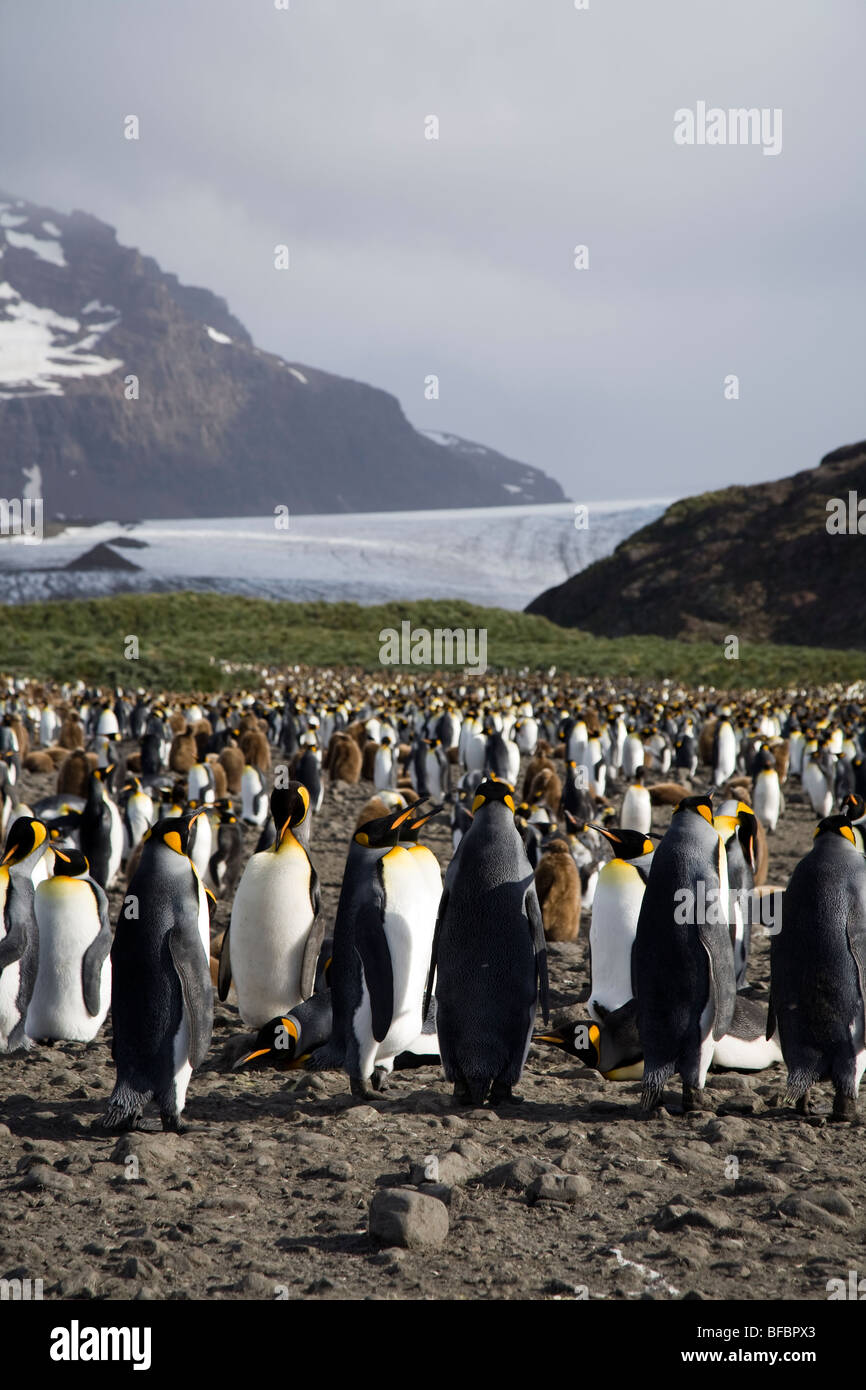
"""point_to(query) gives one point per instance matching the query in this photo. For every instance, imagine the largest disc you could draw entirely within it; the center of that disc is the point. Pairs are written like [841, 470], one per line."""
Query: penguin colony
[415, 970]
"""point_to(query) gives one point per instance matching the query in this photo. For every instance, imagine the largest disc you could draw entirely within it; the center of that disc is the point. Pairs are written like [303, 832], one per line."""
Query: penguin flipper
[311, 957]
[224, 976]
[315, 890]
[94, 957]
[189, 961]
[539, 942]
[440, 917]
[722, 980]
[771, 1020]
[13, 945]
[371, 946]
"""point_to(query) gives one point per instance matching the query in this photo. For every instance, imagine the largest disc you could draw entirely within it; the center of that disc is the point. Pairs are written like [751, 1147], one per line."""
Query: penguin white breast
[68, 921]
[271, 918]
[412, 889]
[636, 810]
[746, 1054]
[615, 910]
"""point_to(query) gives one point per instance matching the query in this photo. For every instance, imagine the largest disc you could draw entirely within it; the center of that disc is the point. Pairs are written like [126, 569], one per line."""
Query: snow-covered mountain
[137, 396]
[500, 556]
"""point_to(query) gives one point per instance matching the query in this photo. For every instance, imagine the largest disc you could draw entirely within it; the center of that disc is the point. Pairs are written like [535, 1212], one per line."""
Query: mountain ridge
[219, 427]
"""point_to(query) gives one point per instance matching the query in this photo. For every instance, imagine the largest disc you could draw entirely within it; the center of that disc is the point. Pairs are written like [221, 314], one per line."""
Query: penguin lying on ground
[610, 1043]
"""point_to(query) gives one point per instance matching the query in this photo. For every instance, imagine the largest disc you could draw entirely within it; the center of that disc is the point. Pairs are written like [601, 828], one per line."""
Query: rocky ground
[268, 1193]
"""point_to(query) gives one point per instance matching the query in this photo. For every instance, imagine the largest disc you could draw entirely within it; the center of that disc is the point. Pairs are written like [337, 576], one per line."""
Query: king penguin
[383, 936]
[73, 982]
[19, 942]
[615, 912]
[272, 943]
[683, 974]
[818, 969]
[637, 811]
[161, 992]
[489, 954]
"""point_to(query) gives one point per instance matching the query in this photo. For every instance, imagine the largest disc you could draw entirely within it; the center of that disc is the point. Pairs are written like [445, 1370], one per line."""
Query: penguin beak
[242, 1061]
[556, 1039]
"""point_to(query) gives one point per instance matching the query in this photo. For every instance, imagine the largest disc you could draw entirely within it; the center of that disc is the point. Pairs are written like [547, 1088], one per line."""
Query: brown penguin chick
[668, 793]
[535, 765]
[345, 760]
[368, 763]
[762, 856]
[547, 788]
[557, 883]
[184, 752]
[231, 760]
[220, 781]
[254, 746]
[357, 731]
[178, 725]
[71, 733]
[40, 761]
[74, 774]
[383, 804]
[57, 754]
[21, 734]
[781, 754]
[706, 739]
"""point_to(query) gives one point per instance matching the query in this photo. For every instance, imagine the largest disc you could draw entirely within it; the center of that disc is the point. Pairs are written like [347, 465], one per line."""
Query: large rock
[400, 1217]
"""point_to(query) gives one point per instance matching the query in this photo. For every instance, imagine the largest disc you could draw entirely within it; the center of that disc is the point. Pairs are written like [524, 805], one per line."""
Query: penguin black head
[493, 789]
[627, 844]
[580, 1039]
[409, 830]
[70, 863]
[377, 834]
[837, 825]
[854, 807]
[173, 831]
[289, 807]
[277, 1041]
[699, 805]
[25, 835]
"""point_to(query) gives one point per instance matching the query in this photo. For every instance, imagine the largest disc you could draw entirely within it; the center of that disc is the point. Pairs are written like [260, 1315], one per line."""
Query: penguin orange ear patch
[172, 839]
[479, 801]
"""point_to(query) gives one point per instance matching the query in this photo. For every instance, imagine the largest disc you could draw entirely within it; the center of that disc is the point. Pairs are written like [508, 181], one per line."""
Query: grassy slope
[179, 634]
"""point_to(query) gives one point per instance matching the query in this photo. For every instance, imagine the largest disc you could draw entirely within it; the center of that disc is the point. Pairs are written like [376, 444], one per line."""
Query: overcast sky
[412, 256]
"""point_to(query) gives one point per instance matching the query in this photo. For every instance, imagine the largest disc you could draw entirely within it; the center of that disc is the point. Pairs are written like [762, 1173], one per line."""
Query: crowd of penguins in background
[152, 790]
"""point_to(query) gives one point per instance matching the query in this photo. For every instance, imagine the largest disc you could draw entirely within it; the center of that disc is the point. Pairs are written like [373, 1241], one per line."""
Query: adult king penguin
[383, 935]
[272, 943]
[161, 992]
[489, 954]
[19, 942]
[73, 982]
[683, 965]
[818, 970]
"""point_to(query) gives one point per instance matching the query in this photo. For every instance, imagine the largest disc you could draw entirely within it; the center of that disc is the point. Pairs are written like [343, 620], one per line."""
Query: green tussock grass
[179, 633]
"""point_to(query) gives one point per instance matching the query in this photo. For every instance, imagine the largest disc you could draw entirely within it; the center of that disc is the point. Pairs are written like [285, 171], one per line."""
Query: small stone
[40, 1175]
[359, 1115]
[425, 1171]
[801, 1209]
[833, 1201]
[401, 1217]
[559, 1187]
[515, 1176]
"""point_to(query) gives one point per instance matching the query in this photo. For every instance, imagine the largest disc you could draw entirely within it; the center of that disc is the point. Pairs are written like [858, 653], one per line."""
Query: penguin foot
[693, 1099]
[171, 1124]
[502, 1094]
[149, 1126]
[379, 1079]
[359, 1088]
[844, 1108]
[461, 1094]
[802, 1106]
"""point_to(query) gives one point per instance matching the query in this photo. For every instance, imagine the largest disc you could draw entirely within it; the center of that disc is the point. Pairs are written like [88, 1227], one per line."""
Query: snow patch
[217, 337]
[512, 487]
[37, 346]
[300, 375]
[50, 251]
[93, 306]
[50, 228]
[8, 219]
